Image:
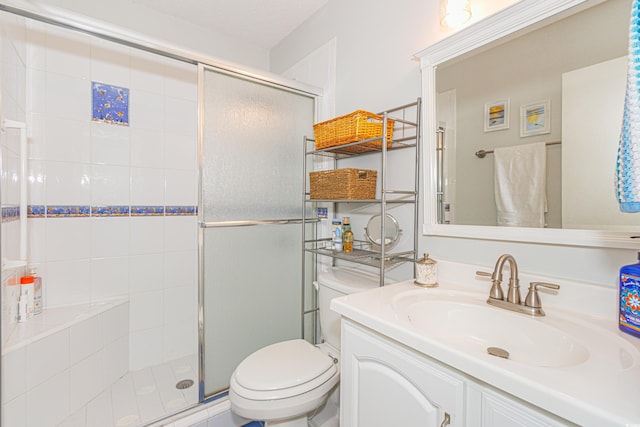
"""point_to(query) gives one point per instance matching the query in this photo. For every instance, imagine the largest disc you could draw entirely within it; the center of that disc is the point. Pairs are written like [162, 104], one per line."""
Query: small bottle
[26, 290]
[337, 234]
[37, 291]
[426, 272]
[23, 308]
[347, 235]
[629, 314]
[25, 302]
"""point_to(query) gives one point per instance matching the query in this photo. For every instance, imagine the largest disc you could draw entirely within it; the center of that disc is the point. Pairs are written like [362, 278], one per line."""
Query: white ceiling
[262, 22]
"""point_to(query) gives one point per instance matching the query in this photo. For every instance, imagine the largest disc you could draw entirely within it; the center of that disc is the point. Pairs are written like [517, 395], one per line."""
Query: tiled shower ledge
[53, 320]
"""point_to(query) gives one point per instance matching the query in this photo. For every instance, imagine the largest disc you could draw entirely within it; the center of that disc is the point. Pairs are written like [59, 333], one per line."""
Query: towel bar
[482, 153]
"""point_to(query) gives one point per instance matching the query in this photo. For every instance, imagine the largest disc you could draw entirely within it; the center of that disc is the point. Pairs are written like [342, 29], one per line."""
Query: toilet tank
[336, 282]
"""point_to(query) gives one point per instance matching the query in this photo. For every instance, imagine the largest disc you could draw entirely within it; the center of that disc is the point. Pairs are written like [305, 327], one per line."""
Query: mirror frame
[522, 14]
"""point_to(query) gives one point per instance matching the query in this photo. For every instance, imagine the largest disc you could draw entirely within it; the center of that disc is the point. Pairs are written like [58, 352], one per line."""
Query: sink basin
[472, 326]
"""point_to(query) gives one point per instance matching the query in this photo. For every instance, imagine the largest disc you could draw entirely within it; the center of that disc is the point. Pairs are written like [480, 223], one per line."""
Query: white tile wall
[152, 162]
[46, 76]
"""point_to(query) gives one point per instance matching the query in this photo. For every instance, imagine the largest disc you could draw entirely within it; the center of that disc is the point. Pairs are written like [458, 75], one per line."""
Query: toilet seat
[283, 370]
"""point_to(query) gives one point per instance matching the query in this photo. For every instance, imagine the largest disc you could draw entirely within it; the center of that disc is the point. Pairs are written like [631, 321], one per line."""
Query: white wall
[375, 43]
[597, 88]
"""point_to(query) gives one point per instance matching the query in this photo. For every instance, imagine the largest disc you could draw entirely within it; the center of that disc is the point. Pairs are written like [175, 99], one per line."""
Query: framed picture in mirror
[535, 118]
[496, 115]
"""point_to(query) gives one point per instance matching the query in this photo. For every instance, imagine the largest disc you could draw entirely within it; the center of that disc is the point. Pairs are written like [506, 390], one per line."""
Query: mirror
[565, 60]
[373, 231]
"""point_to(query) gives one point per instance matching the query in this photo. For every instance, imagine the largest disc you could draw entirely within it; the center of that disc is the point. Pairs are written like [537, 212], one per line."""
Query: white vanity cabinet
[496, 409]
[384, 383]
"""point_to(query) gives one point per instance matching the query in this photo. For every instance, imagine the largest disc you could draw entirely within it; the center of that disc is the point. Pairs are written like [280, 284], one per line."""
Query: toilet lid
[283, 365]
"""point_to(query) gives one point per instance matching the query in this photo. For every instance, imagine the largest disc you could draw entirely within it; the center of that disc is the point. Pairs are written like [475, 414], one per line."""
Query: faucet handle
[533, 299]
[496, 290]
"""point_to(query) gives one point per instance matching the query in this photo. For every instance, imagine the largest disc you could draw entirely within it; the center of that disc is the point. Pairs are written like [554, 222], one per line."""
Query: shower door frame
[278, 83]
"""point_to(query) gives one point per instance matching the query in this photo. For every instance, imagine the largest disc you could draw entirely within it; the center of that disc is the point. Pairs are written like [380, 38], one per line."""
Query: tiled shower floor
[141, 397]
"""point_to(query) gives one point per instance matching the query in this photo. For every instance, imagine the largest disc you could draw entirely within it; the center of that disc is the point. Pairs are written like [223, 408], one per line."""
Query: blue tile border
[180, 210]
[109, 210]
[68, 211]
[36, 211]
[12, 213]
[147, 210]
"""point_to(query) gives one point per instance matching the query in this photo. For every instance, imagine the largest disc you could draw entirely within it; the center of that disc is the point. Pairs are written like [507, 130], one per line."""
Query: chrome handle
[483, 273]
[496, 290]
[251, 222]
[535, 285]
[533, 299]
[446, 420]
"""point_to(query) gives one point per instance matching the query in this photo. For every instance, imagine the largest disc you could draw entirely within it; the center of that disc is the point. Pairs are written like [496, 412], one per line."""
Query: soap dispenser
[426, 272]
[629, 314]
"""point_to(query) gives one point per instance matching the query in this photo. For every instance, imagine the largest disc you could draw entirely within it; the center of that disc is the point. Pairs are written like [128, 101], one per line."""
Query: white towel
[520, 185]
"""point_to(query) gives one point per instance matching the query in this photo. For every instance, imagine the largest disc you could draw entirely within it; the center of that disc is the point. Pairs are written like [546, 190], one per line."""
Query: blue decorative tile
[36, 211]
[10, 213]
[180, 210]
[110, 104]
[109, 210]
[68, 211]
[147, 210]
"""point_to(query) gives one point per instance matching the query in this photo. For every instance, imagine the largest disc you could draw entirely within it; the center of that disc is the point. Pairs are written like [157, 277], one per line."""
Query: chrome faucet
[532, 304]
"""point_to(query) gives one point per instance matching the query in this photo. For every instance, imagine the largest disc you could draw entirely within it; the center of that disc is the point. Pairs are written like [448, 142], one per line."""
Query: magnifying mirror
[391, 230]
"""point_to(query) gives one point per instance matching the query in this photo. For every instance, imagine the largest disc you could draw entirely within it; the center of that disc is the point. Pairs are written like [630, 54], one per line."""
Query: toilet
[283, 383]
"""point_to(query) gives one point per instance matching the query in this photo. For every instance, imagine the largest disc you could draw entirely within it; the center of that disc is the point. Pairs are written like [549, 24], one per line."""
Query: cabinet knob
[446, 420]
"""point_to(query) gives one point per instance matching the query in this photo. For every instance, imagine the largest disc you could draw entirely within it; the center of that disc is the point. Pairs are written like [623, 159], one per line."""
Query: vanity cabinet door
[499, 410]
[385, 384]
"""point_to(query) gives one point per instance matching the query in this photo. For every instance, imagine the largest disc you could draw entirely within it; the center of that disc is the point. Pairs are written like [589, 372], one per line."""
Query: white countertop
[602, 391]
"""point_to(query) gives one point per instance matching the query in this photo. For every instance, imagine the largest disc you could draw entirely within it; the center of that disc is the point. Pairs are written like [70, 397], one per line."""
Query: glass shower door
[251, 204]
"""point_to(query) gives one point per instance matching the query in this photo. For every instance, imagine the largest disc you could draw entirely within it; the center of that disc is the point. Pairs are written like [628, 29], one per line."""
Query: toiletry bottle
[23, 310]
[37, 291]
[27, 286]
[347, 235]
[25, 303]
[629, 319]
[337, 234]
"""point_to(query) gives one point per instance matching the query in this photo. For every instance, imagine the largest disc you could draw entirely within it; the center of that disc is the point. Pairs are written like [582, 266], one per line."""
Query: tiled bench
[61, 359]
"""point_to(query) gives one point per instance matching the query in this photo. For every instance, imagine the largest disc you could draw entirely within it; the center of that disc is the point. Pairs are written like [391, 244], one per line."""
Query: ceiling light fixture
[454, 13]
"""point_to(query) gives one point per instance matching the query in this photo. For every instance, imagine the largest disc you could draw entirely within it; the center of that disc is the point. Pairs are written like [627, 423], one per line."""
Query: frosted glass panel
[253, 149]
[252, 157]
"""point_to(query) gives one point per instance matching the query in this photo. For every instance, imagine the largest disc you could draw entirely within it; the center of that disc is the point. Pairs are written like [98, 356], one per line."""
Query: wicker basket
[357, 126]
[343, 184]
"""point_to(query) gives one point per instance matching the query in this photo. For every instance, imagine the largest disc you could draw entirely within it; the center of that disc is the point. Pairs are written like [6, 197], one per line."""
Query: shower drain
[184, 384]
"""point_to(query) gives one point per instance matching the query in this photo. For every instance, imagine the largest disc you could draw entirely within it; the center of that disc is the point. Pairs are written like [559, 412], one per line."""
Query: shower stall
[169, 245]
